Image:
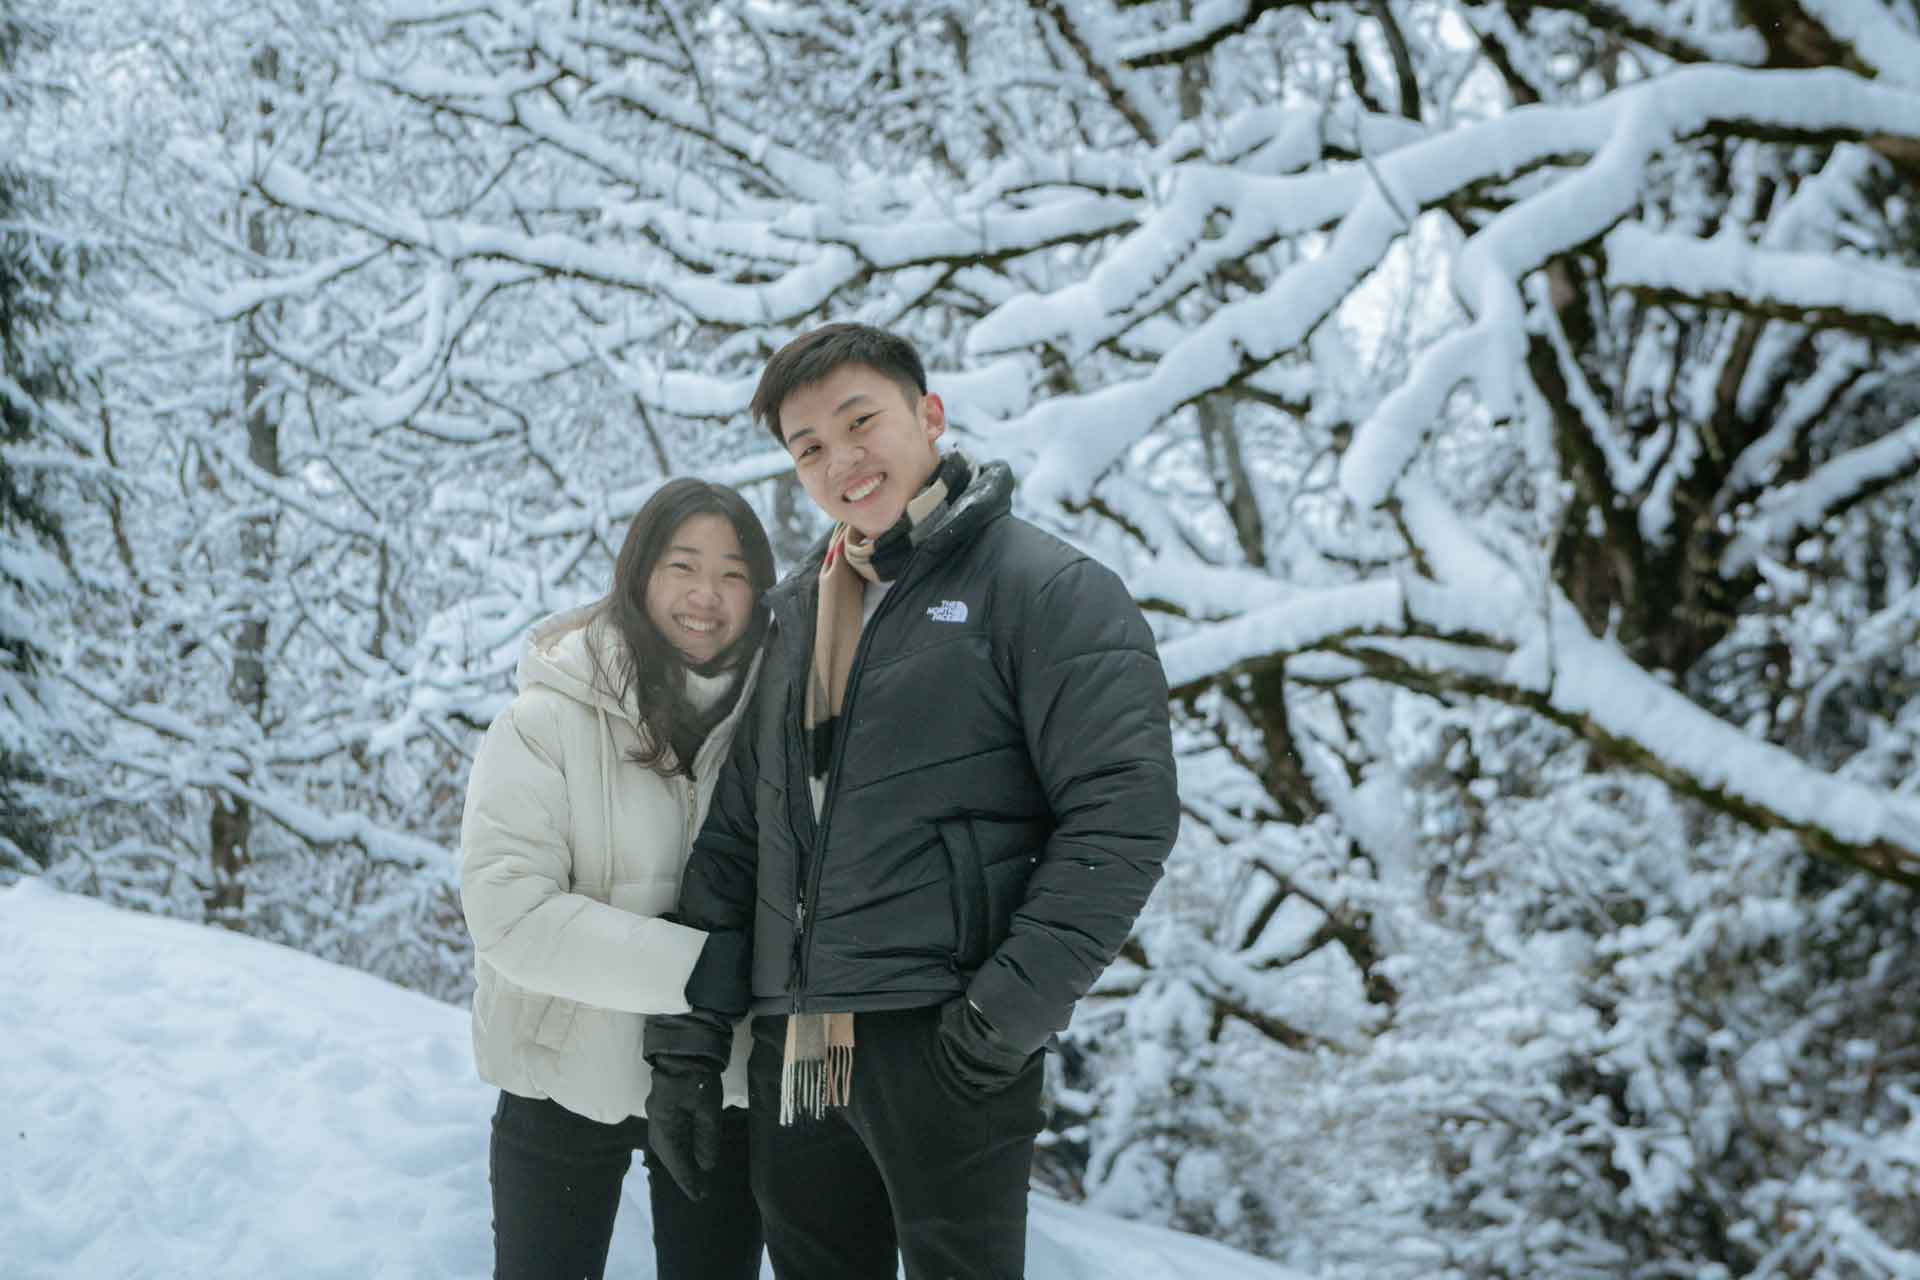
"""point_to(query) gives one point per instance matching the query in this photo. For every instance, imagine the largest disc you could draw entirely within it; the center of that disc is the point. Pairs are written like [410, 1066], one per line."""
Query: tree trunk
[230, 830]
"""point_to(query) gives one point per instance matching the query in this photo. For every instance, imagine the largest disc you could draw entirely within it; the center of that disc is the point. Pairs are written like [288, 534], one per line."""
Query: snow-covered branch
[1873, 34]
[1210, 23]
[1631, 127]
[1816, 289]
[1791, 513]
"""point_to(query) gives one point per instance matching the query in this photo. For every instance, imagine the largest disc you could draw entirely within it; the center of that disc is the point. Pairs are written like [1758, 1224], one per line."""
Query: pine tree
[31, 271]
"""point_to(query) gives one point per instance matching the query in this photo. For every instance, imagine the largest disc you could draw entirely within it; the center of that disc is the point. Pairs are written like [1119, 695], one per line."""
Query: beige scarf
[816, 1071]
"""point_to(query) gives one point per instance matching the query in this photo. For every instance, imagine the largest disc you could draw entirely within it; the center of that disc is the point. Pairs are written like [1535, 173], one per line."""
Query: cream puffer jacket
[571, 853]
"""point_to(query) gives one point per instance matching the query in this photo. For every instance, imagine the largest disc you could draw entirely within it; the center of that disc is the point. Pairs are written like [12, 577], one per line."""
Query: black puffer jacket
[1001, 802]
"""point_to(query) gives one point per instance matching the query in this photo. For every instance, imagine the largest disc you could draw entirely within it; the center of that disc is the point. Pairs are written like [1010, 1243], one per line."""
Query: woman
[585, 797]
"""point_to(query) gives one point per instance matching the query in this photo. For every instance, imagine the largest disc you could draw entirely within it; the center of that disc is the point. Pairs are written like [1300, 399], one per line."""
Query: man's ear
[933, 413]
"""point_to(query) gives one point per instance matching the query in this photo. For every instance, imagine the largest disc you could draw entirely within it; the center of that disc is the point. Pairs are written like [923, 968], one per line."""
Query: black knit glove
[975, 1053]
[683, 1120]
[722, 978]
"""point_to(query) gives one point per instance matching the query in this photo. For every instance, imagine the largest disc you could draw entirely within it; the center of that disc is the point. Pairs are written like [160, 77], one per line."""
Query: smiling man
[953, 797]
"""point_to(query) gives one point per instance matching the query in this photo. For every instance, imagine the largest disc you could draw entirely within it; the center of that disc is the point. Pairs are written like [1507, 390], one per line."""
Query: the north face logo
[949, 611]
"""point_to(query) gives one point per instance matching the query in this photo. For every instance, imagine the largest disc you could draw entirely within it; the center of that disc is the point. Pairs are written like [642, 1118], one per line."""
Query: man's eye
[806, 453]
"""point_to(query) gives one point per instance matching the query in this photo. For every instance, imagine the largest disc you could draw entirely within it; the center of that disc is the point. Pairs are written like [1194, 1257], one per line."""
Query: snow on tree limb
[1556, 667]
[1875, 36]
[620, 505]
[1803, 408]
[243, 296]
[1599, 690]
[1133, 97]
[1636, 123]
[1076, 438]
[1589, 686]
[1809, 288]
[1210, 22]
[1788, 514]
[800, 291]
[227, 770]
[1306, 621]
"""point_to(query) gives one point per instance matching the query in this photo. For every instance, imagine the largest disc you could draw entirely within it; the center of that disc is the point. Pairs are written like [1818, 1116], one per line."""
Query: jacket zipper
[693, 804]
[802, 940]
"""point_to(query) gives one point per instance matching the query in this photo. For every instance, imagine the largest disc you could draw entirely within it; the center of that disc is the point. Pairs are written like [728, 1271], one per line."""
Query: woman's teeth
[862, 489]
[699, 626]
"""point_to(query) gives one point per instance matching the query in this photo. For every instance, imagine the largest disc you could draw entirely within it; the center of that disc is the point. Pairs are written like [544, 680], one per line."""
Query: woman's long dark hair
[644, 671]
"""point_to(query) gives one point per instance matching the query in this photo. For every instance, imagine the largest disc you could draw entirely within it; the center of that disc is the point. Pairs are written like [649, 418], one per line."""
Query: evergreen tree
[31, 270]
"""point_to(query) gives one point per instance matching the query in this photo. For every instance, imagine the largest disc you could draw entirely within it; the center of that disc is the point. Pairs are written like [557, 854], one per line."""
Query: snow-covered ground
[178, 1101]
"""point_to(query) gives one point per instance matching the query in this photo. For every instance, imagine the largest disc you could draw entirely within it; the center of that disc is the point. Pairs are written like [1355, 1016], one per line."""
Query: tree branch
[1195, 38]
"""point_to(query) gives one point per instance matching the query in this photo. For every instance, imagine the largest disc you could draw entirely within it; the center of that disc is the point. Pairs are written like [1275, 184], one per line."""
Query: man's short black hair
[810, 358]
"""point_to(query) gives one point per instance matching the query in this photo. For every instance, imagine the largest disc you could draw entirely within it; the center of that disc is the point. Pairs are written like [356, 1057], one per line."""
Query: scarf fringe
[816, 1069]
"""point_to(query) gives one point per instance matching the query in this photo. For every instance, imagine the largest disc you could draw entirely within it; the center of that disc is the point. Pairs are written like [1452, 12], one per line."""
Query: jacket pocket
[1008, 850]
[556, 1022]
[967, 888]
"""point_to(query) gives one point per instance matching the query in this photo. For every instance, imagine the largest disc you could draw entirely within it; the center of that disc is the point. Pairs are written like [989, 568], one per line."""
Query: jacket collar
[559, 654]
[987, 497]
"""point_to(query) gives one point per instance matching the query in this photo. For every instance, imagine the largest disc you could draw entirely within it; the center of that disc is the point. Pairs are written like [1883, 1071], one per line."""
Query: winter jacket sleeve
[1092, 700]
[516, 879]
[717, 891]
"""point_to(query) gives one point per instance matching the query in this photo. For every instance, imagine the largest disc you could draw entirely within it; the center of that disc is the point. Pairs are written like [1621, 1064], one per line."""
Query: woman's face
[698, 594]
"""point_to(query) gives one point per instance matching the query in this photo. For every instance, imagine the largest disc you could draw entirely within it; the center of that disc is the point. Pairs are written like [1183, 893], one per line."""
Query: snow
[185, 1101]
[1801, 507]
[1208, 19]
[1743, 46]
[1308, 619]
[1877, 37]
[1622, 133]
[1640, 258]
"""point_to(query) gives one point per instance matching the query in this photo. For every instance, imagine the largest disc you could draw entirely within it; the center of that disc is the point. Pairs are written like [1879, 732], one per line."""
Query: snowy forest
[1507, 413]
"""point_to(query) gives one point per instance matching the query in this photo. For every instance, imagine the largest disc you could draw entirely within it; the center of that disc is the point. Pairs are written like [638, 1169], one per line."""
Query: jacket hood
[557, 656]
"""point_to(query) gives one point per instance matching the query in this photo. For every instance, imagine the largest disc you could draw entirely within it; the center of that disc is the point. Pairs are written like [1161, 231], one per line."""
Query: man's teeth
[862, 489]
[698, 624]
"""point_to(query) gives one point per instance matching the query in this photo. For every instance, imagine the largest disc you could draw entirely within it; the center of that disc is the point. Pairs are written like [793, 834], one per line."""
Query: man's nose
[844, 459]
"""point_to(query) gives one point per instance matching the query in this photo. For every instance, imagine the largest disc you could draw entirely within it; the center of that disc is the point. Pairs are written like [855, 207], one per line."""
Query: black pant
[916, 1162]
[556, 1186]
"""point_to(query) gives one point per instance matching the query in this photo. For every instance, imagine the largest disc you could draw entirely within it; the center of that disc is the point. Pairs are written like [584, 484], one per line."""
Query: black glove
[722, 978]
[683, 1121]
[977, 1056]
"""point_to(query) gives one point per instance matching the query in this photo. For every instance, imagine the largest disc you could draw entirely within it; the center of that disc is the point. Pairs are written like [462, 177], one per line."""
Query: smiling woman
[686, 583]
[698, 595]
[584, 799]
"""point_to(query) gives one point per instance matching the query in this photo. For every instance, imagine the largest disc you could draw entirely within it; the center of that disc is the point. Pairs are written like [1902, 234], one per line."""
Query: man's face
[862, 445]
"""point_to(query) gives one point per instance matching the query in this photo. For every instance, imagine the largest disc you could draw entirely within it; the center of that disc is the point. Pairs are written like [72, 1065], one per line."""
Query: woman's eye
[861, 421]
[808, 452]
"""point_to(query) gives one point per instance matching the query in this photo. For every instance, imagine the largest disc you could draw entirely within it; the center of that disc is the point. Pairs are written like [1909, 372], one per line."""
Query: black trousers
[916, 1163]
[556, 1187]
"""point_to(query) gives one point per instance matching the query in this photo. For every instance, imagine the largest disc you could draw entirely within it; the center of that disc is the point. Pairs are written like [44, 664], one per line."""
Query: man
[953, 798]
